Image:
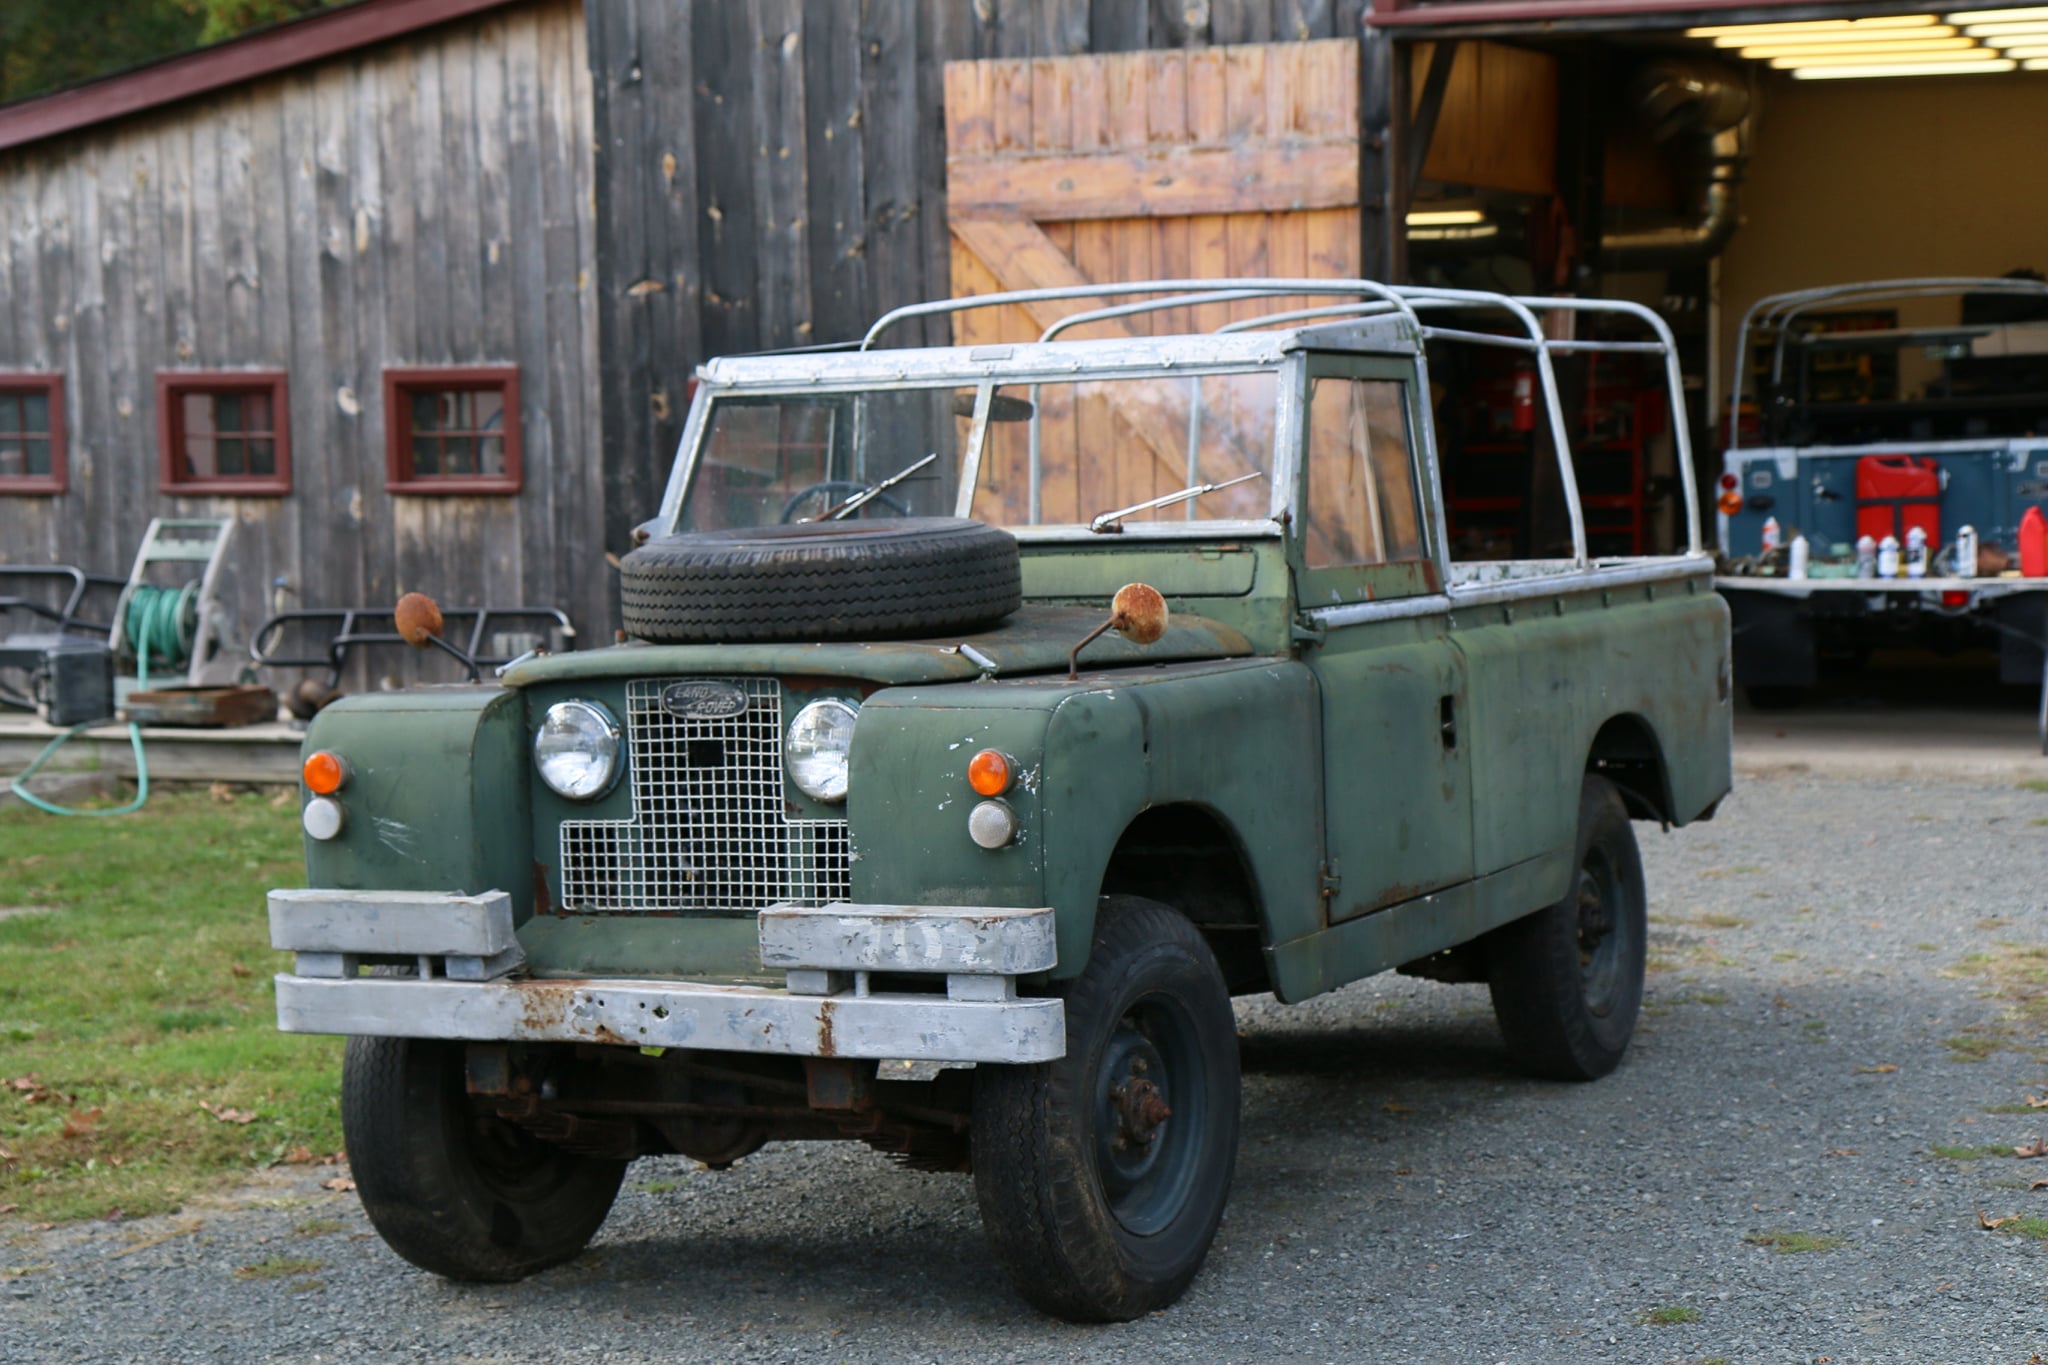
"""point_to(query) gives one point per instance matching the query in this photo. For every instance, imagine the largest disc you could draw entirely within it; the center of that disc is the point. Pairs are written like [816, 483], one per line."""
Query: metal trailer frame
[1780, 311]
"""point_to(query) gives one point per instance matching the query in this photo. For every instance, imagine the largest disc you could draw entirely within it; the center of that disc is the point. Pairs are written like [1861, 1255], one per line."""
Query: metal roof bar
[1251, 288]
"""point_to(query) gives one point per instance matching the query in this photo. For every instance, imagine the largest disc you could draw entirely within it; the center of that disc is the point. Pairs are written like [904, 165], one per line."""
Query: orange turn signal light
[988, 772]
[325, 773]
[1730, 503]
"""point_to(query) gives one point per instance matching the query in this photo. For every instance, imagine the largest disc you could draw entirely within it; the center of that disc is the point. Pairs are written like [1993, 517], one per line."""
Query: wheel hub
[1140, 1109]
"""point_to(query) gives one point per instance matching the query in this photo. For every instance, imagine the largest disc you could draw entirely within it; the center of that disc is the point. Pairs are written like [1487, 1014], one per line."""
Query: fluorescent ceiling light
[2032, 35]
[2027, 54]
[1997, 30]
[1445, 217]
[1860, 49]
[2036, 64]
[1972, 56]
[1838, 39]
[1817, 26]
[1850, 73]
[1997, 16]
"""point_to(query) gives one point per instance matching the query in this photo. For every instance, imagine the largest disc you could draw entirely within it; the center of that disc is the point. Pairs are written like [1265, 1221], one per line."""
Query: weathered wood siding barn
[420, 202]
[595, 193]
[774, 173]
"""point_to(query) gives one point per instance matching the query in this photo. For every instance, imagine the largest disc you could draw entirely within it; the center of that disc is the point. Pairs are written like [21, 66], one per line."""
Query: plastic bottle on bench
[1774, 535]
[1916, 553]
[1798, 553]
[1966, 552]
[1866, 557]
[1888, 557]
[2034, 544]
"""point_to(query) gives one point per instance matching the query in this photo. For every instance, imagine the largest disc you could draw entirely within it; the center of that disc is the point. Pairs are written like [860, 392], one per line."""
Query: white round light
[577, 749]
[992, 824]
[323, 818]
[820, 738]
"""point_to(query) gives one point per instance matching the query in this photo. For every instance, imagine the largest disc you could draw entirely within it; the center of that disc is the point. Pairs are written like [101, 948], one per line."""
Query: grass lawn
[140, 1060]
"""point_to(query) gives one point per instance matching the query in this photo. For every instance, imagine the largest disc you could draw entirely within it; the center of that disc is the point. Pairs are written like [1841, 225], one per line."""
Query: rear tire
[454, 1189]
[1567, 981]
[1098, 1206]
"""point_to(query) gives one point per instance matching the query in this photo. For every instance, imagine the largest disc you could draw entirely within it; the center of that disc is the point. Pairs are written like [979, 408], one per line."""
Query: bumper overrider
[469, 981]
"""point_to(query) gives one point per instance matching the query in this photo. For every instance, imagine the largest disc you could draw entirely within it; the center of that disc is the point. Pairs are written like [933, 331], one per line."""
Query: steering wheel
[836, 491]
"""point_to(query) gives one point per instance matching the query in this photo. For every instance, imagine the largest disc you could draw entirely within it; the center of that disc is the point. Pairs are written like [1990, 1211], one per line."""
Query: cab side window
[1362, 501]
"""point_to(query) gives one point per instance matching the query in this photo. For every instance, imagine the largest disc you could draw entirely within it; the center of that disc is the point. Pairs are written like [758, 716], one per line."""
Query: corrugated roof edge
[266, 52]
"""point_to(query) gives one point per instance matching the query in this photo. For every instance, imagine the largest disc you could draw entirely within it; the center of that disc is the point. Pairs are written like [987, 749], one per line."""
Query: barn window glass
[452, 430]
[31, 433]
[224, 433]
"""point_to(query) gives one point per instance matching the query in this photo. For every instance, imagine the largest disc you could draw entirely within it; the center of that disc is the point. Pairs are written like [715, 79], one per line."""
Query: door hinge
[1332, 879]
[1307, 630]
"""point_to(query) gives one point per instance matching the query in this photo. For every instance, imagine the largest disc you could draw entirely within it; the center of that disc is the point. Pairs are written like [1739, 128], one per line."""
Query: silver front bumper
[466, 984]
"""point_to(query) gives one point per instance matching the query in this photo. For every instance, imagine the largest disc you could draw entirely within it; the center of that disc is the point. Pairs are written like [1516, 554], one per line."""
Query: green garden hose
[161, 625]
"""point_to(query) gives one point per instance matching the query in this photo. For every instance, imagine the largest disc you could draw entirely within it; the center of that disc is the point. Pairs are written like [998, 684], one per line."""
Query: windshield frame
[985, 380]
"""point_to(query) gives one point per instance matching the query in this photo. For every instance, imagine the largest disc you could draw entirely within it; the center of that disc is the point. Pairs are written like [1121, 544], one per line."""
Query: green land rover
[985, 718]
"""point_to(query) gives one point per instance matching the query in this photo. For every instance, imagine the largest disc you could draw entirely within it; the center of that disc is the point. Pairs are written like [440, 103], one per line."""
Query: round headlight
[819, 740]
[577, 750]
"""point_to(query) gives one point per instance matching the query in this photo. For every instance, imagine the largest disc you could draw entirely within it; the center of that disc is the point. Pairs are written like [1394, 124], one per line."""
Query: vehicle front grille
[712, 831]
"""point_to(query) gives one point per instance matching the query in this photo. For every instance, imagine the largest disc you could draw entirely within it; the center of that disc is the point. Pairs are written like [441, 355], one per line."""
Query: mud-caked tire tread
[1534, 969]
[1041, 1203]
[406, 1125]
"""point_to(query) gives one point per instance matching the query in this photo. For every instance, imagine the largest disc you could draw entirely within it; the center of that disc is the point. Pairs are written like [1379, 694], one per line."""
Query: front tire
[1102, 1175]
[453, 1189]
[1567, 981]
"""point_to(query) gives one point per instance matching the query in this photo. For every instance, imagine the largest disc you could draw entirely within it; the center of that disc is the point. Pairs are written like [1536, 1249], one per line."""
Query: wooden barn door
[1069, 171]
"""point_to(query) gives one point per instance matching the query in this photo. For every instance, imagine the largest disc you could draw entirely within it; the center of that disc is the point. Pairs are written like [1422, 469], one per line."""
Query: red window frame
[400, 387]
[15, 384]
[174, 465]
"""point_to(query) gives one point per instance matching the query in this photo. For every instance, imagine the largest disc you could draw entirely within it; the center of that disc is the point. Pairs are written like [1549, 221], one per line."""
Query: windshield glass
[1096, 446]
[1105, 444]
[774, 460]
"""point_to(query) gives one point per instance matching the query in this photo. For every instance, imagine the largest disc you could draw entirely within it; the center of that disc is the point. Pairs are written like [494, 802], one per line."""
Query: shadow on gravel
[1437, 1051]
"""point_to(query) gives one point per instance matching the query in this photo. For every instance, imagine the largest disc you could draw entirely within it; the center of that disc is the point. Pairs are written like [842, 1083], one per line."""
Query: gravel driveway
[1400, 1197]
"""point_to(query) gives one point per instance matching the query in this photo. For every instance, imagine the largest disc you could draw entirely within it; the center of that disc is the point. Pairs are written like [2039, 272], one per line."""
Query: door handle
[1447, 720]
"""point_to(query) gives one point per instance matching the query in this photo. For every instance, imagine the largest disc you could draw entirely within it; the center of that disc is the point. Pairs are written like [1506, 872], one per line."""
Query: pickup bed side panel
[1545, 673]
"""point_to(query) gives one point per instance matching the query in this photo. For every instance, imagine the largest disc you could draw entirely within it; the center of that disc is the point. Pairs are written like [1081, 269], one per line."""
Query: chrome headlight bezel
[817, 748]
[604, 749]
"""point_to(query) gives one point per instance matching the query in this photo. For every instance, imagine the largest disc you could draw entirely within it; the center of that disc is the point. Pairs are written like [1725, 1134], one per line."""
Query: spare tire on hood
[824, 580]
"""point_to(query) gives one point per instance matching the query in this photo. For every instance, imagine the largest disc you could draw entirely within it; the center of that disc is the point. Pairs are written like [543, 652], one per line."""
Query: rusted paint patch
[827, 1046]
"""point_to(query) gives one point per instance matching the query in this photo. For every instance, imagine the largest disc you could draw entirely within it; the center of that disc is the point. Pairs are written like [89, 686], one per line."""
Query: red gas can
[1895, 493]
[2034, 544]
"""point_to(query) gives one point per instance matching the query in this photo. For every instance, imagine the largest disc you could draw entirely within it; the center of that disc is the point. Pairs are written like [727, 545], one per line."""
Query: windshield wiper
[1112, 521]
[873, 490]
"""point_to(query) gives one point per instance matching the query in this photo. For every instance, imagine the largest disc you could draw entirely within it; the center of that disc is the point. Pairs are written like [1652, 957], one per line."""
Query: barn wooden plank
[1177, 23]
[459, 139]
[431, 174]
[1164, 181]
[1208, 122]
[970, 107]
[946, 31]
[209, 295]
[1241, 21]
[577, 581]
[781, 170]
[836, 210]
[1011, 105]
[1116, 27]
[722, 38]
[239, 279]
[890, 120]
[341, 405]
[1052, 106]
[1059, 28]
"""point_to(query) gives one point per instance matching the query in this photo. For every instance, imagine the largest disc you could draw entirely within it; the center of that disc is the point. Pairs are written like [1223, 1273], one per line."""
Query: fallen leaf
[1396, 1107]
[227, 1115]
[40, 1227]
[5, 1155]
[340, 1184]
[221, 792]
[29, 1082]
[297, 1156]
[239, 970]
[1990, 1224]
[78, 1123]
[2038, 1147]
[1881, 1069]
[8, 1208]
[2037, 1101]
[2037, 1185]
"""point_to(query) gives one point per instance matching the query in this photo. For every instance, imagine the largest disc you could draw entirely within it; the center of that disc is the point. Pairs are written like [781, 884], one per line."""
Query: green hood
[1034, 639]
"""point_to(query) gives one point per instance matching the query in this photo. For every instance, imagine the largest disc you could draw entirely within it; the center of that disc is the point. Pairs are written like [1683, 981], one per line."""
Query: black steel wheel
[452, 1188]
[1567, 981]
[1102, 1176]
